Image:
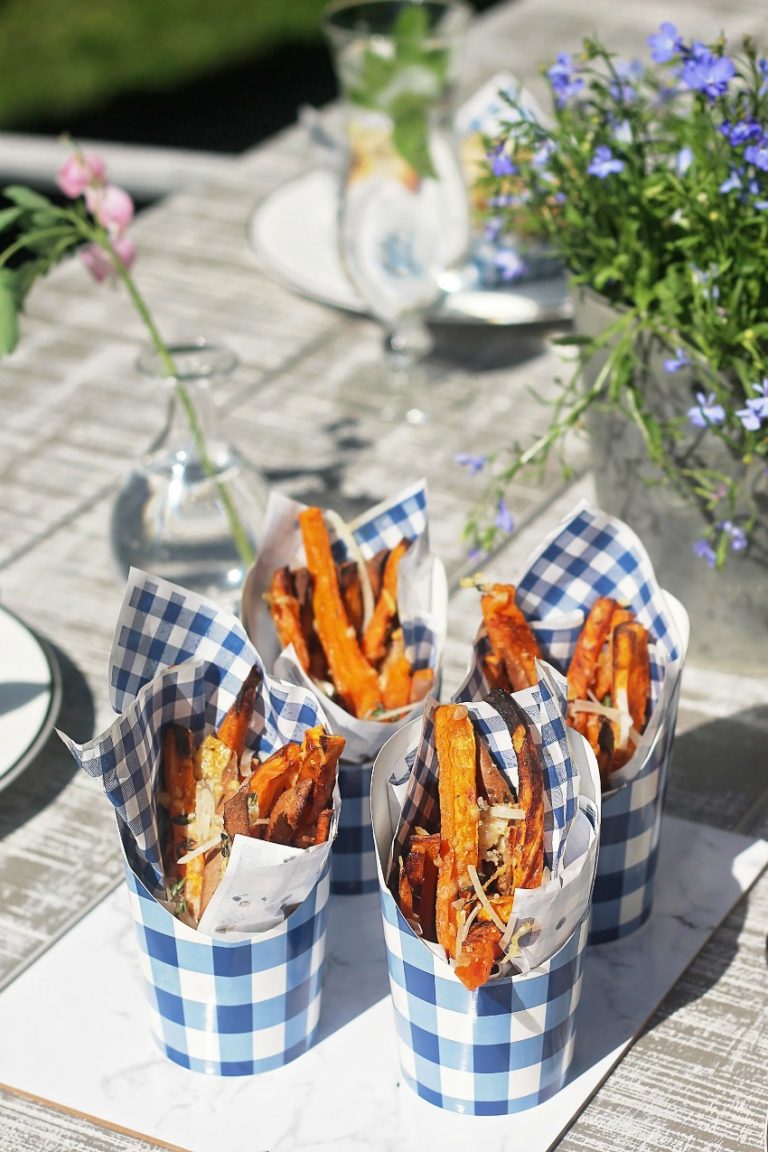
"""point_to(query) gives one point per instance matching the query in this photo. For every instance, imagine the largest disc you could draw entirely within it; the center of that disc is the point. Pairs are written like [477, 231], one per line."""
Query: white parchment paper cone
[263, 882]
[557, 907]
[422, 596]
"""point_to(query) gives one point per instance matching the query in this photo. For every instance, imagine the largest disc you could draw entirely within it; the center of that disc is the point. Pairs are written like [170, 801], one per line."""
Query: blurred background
[182, 74]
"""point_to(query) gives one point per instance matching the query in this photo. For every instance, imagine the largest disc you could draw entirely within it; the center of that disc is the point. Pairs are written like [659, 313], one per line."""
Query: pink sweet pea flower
[111, 206]
[98, 262]
[80, 171]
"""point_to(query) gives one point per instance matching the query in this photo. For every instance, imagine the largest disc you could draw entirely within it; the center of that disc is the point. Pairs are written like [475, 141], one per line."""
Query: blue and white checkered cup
[591, 554]
[231, 1007]
[422, 598]
[506, 1046]
[243, 997]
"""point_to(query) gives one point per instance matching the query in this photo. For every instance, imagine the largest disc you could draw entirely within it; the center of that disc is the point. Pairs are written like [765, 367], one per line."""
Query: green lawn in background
[58, 57]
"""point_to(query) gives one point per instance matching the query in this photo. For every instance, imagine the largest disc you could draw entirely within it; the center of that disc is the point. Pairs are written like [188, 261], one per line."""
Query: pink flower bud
[125, 250]
[80, 171]
[112, 207]
[98, 262]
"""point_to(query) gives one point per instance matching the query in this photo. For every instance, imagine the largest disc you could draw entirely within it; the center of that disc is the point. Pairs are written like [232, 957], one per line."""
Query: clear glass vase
[403, 204]
[191, 509]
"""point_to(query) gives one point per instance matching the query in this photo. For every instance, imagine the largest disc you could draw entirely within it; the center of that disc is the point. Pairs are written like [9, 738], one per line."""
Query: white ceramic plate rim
[38, 722]
[293, 232]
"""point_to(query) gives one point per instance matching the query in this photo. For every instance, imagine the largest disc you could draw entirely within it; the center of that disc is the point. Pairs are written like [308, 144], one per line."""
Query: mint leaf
[410, 137]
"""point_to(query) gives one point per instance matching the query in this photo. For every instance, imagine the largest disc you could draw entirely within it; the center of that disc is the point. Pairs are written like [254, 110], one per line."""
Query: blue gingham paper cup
[231, 1007]
[591, 554]
[506, 1046]
[423, 610]
[241, 993]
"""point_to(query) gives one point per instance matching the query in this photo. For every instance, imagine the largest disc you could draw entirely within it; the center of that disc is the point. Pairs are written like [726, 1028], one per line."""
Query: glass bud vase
[403, 207]
[191, 509]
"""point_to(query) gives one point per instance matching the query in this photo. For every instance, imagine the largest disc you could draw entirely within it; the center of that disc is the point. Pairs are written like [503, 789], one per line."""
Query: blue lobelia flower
[564, 83]
[757, 154]
[738, 536]
[705, 411]
[707, 73]
[761, 205]
[705, 551]
[742, 132]
[756, 409]
[604, 163]
[510, 264]
[683, 160]
[504, 520]
[475, 464]
[733, 183]
[677, 362]
[501, 162]
[665, 43]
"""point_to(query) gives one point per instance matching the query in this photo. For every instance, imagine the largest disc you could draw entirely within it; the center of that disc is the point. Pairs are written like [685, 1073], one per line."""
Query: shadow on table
[356, 962]
[45, 777]
[486, 347]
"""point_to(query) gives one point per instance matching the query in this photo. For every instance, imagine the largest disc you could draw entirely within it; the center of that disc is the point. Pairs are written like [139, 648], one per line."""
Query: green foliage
[85, 52]
[651, 184]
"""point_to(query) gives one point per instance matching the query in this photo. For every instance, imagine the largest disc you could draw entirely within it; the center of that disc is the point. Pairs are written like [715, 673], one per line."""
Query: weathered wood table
[75, 416]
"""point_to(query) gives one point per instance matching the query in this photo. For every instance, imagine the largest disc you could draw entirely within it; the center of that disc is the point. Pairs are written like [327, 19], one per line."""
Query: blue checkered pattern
[591, 555]
[354, 857]
[231, 1008]
[503, 1048]
[388, 523]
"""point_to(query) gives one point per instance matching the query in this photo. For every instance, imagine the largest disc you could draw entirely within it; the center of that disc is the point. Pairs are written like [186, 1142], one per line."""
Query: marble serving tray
[77, 1019]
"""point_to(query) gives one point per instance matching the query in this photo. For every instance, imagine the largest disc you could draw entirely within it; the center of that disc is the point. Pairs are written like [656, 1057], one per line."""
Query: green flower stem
[239, 535]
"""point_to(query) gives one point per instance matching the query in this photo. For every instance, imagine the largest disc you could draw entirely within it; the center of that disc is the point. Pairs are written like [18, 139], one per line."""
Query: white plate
[294, 233]
[30, 695]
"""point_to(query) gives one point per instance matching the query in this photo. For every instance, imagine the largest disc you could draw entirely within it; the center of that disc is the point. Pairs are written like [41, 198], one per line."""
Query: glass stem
[239, 535]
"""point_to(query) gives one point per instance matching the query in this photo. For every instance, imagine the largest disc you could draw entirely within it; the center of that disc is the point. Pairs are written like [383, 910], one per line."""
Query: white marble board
[76, 1017]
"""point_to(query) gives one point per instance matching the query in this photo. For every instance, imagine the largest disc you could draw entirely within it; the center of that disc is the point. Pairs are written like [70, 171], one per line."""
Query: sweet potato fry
[601, 684]
[289, 812]
[455, 745]
[420, 872]
[285, 609]
[589, 645]
[479, 953]
[234, 727]
[320, 753]
[528, 856]
[179, 784]
[351, 594]
[278, 773]
[631, 671]
[395, 677]
[510, 634]
[422, 682]
[376, 635]
[354, 678]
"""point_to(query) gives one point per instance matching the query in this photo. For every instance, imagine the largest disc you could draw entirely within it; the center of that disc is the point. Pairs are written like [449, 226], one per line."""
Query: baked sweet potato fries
[456, 884]
[608, 676]
[217, 791]
[343, 623]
